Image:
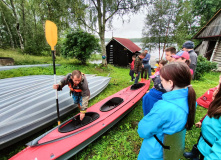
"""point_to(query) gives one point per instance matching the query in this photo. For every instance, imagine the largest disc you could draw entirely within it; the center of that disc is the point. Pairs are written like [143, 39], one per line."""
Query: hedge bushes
[80, 45]
[203, 66]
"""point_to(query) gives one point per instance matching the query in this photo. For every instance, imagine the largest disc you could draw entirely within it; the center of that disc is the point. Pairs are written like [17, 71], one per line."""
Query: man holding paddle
[78, 85]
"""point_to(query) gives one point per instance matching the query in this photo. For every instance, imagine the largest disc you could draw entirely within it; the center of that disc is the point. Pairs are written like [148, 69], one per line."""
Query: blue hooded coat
[211, 131]
[167, 116]
[149, 99]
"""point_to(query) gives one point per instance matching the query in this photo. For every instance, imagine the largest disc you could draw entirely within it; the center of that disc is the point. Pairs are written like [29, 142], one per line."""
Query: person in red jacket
[132, 68]
[199, 124]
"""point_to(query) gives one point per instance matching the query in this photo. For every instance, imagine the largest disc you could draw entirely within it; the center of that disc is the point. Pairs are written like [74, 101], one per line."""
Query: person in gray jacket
[78, 85]
[188, 46]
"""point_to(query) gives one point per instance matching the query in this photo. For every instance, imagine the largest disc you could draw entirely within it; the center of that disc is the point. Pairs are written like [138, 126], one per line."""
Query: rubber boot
[194, 154]
[79, 106]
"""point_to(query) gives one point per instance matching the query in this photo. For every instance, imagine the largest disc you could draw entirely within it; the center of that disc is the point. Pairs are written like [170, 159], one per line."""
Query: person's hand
[136, 75]
[82, 115]
[198, 124]
[142, 66]
[55, 86]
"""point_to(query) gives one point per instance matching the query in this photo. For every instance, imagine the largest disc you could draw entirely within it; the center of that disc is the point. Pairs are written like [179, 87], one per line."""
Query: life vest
[206, 98]
[73, 87]
[173, 145]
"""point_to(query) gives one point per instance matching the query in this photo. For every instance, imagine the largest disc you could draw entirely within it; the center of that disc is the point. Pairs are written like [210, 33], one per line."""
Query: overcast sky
[133, 29]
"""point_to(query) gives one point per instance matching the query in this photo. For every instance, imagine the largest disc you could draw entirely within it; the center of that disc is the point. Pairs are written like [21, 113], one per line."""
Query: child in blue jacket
[155, 93]
[172, 114]
[209, 144]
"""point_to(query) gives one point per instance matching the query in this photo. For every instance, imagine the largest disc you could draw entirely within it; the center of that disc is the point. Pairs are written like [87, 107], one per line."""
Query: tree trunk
[9, 31]
[24, 22]
[17, 26]
[159, 49]
[165, 41]
[101, 24]
[1, 41]
[103, 49]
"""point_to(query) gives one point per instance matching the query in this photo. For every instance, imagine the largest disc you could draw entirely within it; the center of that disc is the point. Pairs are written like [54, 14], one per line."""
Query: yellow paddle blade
[51, 33]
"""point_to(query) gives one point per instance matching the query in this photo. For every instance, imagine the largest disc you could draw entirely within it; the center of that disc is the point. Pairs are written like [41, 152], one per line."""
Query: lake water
[154, 52]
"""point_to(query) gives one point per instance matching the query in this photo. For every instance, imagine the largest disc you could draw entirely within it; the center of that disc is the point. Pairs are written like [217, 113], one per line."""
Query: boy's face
[133, 58]
[76, 80]
[172, 58]
[168, 56]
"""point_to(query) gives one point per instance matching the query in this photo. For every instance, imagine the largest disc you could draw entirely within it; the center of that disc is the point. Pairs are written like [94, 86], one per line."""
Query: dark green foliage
[205, 9]
[37, 45]
[203, 66]
[185, 23]
[80, 45]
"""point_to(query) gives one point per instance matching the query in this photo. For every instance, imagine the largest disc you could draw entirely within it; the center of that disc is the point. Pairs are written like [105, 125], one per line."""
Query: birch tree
[159, 24]
[99, 13]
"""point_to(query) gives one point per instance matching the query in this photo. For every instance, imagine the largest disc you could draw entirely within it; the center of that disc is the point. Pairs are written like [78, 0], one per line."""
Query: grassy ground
[122, 140]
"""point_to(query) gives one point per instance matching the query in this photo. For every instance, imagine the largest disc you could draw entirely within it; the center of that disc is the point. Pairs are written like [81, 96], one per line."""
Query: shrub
[203, 66]
[36, 45]
[80, 45]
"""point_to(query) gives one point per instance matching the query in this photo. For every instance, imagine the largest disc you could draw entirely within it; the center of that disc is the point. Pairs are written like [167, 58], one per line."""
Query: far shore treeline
[22, 22]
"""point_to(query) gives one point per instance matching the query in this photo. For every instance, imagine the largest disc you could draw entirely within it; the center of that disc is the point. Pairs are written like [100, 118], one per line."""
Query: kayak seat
[75, 123]
[137, 86]
[111, 104]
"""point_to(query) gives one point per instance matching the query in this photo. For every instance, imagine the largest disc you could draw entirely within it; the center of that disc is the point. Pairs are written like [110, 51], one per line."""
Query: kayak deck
[70, 137]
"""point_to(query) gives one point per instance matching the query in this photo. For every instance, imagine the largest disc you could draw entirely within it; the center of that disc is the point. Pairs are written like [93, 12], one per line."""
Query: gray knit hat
[188, 45]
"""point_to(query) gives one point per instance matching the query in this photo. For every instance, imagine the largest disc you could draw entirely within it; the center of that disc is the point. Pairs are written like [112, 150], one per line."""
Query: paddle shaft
[55, 82]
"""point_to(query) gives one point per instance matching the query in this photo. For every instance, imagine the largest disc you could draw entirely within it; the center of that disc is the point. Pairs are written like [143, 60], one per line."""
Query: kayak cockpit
[111, 104]
[76, 123]
[137, 86]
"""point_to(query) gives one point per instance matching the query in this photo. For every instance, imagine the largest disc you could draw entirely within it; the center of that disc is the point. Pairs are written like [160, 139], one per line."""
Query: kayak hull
[63, 145]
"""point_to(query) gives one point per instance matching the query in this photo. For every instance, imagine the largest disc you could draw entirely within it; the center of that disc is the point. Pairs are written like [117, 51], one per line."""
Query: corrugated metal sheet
[28, 104]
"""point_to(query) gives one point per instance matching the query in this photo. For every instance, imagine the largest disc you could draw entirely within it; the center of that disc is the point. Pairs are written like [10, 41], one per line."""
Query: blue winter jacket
[211, 131]
[167, 116]
[149, 99]
[146, 59]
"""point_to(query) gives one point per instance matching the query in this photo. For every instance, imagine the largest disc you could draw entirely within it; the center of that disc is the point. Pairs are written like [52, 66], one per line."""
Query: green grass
[23, 59]
[122, 140]
[95, 57]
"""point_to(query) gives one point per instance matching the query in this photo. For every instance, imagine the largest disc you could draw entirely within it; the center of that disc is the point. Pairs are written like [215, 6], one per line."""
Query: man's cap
[183, 54]
[146, 49]
[188, 45]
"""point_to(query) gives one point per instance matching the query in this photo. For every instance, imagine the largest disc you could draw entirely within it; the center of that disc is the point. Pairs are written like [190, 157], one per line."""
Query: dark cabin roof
[211, 29]
[127, 44]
